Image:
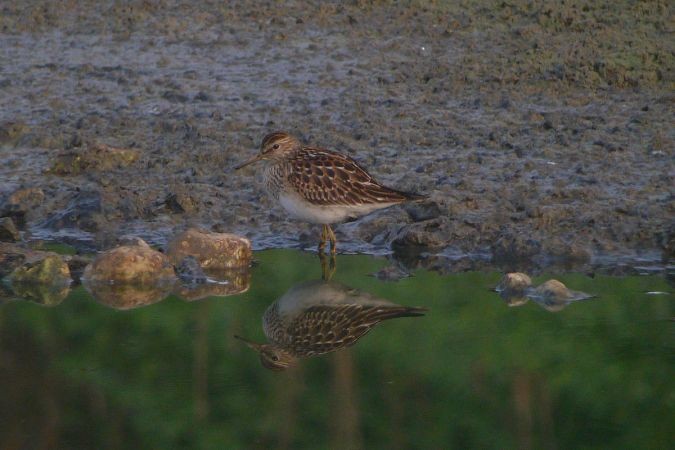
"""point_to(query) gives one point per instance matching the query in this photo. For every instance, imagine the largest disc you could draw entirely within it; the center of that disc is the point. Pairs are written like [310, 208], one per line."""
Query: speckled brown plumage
[324, 177]
[326, 328]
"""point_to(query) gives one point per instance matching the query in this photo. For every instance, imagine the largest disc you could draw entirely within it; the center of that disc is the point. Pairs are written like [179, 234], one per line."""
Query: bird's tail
[415, 197]
[411, 196]
[401, 311]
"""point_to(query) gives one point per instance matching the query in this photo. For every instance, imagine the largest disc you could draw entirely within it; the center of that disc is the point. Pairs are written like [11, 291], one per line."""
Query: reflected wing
[322, 329]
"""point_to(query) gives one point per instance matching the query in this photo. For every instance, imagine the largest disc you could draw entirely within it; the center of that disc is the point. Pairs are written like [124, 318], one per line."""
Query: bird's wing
[321, 329]
[323, 177]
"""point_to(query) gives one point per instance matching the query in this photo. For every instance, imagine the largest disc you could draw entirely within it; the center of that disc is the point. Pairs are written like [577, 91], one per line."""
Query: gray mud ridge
[541, 132]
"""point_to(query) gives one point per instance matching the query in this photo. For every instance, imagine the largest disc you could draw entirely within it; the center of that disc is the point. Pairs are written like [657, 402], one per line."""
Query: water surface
[473, 372]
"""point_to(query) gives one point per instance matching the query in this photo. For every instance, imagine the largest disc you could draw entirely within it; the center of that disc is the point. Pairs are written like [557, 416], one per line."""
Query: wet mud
[541, 132]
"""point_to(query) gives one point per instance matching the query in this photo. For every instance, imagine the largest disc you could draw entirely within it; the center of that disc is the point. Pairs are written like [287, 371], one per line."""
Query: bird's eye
[275, 146]
[275, 358]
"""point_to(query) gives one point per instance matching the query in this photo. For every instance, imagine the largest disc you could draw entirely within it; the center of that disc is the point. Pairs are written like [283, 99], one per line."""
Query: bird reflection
[318, 317]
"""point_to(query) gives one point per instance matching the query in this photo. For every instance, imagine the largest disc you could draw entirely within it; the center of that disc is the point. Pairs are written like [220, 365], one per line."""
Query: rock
[14, 255]
[514, 281]
[96, 157]
[50, 269]
[220, 283]
[513, 287]
[514, 300]
[211, 250]
[129, 295]
[554, 295]
[46, 294]
[130, 275]
[8, 231]
[130, 264]
[554, 289]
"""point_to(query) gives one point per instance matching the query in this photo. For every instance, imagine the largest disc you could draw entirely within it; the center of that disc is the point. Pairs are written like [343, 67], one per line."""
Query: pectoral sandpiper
[318, 317]
[321, 186]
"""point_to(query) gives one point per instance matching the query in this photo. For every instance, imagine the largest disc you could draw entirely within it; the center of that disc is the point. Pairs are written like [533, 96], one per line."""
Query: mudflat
[540, 131]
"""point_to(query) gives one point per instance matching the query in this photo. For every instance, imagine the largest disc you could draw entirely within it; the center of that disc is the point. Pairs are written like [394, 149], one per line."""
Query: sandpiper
[318, 317]
[321, 186]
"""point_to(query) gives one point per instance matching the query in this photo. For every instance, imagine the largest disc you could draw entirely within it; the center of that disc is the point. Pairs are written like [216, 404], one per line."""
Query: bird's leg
[327, 267]
[333, 240]
[332, 266]
[322, 241]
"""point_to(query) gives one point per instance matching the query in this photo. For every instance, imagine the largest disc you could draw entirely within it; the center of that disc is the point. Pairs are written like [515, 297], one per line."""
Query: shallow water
[471, 373]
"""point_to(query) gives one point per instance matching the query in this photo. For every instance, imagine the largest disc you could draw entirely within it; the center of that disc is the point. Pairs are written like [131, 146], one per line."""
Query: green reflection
[473, 372]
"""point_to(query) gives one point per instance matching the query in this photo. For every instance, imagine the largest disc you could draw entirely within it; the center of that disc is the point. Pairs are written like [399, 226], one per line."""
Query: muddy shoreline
[543, 136]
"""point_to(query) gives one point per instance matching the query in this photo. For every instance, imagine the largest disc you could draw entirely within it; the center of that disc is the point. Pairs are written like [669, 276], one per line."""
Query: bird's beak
[256, 158]
[254, 345]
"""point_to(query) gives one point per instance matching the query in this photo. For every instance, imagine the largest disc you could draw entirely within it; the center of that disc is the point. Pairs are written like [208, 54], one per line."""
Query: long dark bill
[254, 345]
[256, 158]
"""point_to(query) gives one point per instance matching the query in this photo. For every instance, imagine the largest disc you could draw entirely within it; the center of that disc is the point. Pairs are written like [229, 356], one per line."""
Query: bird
[317, 317]
[321, 186]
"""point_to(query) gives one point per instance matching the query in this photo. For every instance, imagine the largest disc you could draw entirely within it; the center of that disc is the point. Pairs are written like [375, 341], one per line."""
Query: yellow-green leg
[327, 267]
[324, 238]
[333, 240]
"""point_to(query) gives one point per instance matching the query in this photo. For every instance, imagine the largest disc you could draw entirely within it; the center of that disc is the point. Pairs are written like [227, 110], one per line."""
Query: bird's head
[274, 146]
[271, 356]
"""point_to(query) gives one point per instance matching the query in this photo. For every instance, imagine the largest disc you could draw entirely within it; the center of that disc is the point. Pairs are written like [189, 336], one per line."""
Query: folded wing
[323, 177]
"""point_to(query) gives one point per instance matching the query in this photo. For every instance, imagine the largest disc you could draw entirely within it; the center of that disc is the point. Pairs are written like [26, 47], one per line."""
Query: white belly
[303, 210]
